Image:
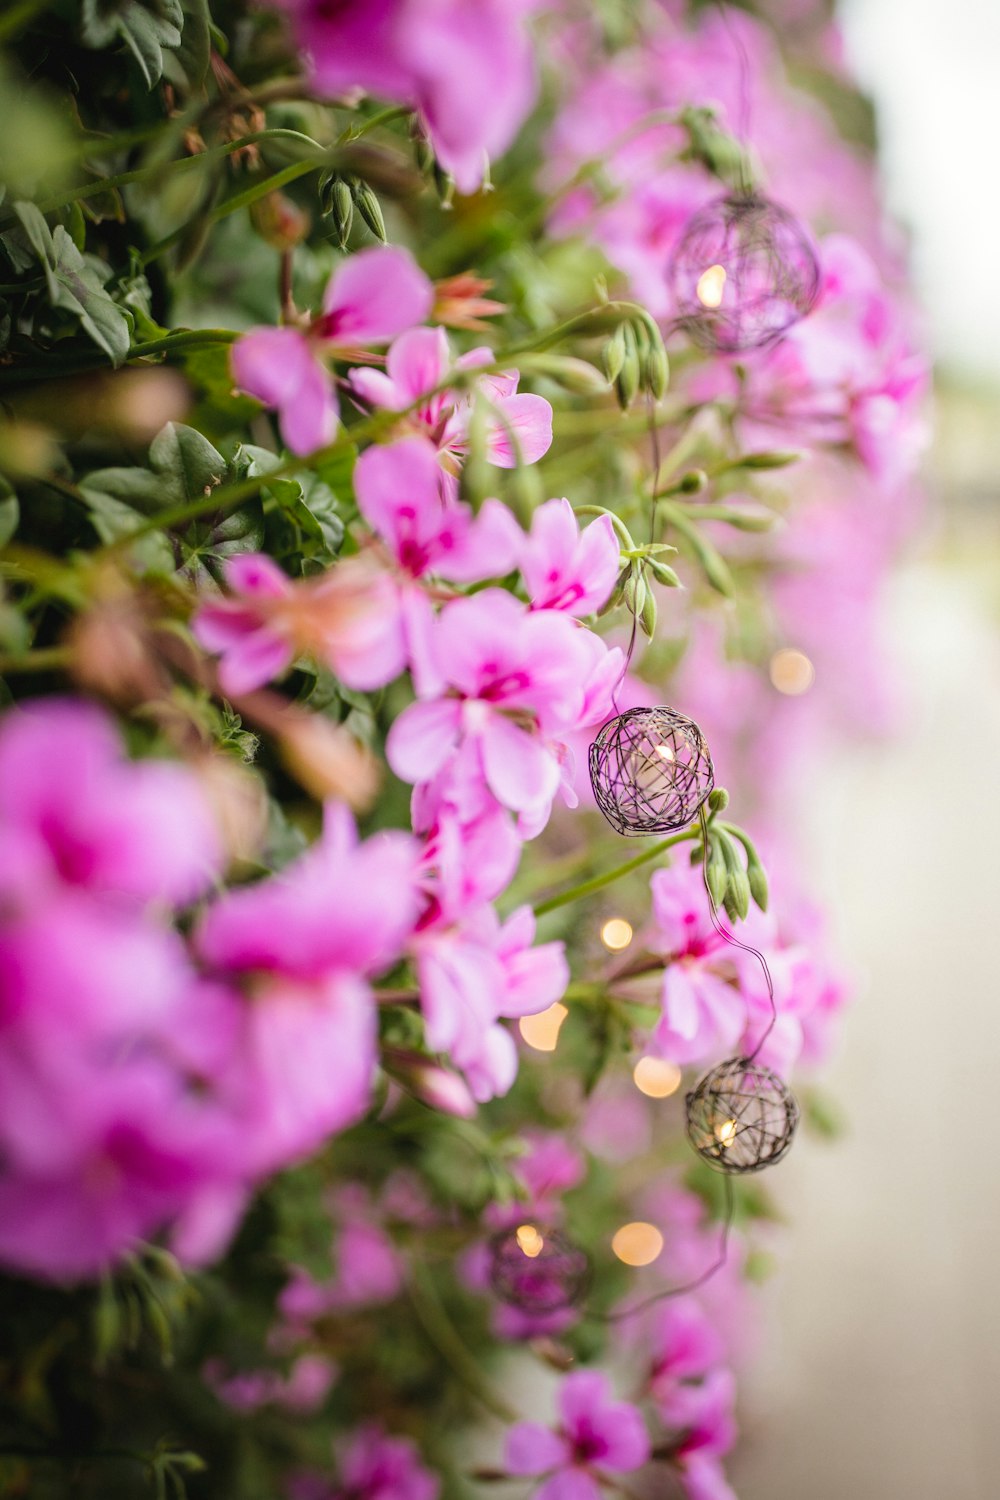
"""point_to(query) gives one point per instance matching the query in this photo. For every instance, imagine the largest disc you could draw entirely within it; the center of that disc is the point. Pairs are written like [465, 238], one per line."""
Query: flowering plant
[356, 467]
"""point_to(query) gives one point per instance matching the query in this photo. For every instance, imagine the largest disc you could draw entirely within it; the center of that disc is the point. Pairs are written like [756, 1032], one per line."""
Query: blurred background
[880, 1346]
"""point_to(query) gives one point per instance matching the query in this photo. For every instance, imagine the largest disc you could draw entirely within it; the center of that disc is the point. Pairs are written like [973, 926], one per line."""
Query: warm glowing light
[616, 934]
[656, 1077]
[637, 1244]
[725, 1133]
[542, 1031]
[529, 1240]
[711, 286]
[791, 671]
[666, 752]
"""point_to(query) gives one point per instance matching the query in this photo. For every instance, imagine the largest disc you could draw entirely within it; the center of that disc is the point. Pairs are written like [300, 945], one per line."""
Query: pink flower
[471, 973]
[518, 427]
[372, 1466]
[596, 1434]
[565, 568]
[82, 815]
[519, 680]
[466, 65]
[703, 1012]
[373, 296]
[303, 944]
[404, 496]
[702, 1413]
[346, 618]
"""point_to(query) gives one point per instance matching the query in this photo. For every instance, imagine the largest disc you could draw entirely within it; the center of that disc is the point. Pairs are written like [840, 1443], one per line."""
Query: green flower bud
[369, 208]
[338, 204]
[627, 381]
[647, 619]
[613, 354]
[718, 799]
[693, 482]
[758, 884]
[718, 879]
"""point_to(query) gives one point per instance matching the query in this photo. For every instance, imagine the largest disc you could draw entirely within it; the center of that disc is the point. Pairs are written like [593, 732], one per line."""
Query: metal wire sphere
[742, 273]
[741, 1117]
[651, 770]
[551, 1274]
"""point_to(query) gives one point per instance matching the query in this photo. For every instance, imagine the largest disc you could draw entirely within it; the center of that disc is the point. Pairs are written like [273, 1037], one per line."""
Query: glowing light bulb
[656, 1078]
[711, 286]
[542, 1031]
[529, 1241]
[666, 752]
[791, 672]
[637, 1244]
[616, 934]
[725, 1133]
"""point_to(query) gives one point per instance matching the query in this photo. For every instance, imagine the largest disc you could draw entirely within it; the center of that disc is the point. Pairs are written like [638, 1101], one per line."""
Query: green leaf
[10, 512]
[145, 26]
[76, 283]
[189, 464]
[188, 63]
[206, 547]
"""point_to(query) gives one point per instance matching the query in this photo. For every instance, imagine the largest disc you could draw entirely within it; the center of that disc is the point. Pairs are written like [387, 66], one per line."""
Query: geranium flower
[403, 495]
[596, 1435]
[345, 617]
[466, 65]
[373, 296]
[565, 568]
[518, 428]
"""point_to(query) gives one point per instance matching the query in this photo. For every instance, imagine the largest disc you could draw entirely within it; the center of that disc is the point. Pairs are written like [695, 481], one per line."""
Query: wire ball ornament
[651, 771]
[741, 1117]
[743, 272]
[538, 1270]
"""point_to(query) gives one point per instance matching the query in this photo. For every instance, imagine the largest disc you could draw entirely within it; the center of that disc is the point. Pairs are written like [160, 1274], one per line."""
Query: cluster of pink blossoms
[149, 1082]
[502, 683]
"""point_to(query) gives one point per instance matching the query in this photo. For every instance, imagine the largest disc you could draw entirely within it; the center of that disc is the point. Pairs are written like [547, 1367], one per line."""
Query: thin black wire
[743, 63]
[735, 941]
[687, 1286]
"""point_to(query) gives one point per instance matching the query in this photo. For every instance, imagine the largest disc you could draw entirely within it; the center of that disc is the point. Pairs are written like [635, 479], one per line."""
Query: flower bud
[338, 204]
[279, 221]
[627, 380]
[693, 482]
[433, 1085]
[368, 206]
[718, 799]
[758, 884]
[647, 618]
[779, 458]
[613, 354]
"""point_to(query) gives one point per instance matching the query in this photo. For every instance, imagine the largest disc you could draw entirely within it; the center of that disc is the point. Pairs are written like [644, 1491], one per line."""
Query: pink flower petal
[519, 770]
[519, 430]
[533, 1449]
[254, 660]
[375, 295]
[271, 363]
[256, 575]
[418, 362]
[422, 738]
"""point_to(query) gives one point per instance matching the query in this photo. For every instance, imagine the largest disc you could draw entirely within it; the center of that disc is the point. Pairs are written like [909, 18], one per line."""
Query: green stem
[232, 205]
[598, 883]
[181, 164]
[45, 659]
[443, 1335]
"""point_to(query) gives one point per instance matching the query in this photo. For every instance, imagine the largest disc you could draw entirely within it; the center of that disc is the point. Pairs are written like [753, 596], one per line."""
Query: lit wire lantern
[651, 770]
[741, 1116]
[743, 272]
[538, 1270]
